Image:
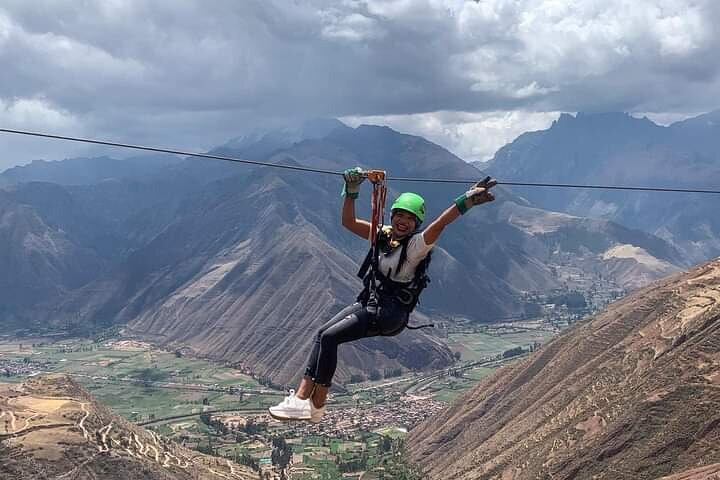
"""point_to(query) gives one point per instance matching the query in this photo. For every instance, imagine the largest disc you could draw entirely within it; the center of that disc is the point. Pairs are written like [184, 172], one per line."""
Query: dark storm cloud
[191, 73]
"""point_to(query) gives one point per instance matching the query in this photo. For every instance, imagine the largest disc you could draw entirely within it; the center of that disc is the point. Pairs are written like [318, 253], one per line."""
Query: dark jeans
[352, 323]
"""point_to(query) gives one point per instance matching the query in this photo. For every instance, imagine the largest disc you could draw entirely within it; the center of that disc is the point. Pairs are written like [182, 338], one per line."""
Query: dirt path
[104, 432]
[83, 407]
[12, 422]
[134, 444]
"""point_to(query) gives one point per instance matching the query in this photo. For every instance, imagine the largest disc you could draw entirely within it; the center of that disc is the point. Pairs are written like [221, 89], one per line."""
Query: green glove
[479, 193]
[353, 178]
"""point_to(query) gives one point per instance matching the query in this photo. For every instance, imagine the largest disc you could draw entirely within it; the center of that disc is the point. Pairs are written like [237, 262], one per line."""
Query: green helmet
[411, 202]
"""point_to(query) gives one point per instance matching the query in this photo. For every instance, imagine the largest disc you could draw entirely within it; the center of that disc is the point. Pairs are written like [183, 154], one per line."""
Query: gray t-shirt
[417, 250]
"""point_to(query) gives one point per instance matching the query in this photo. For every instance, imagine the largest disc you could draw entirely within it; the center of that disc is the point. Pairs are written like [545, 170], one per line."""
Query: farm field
[477, 346]
[136, 380]
[169, 392]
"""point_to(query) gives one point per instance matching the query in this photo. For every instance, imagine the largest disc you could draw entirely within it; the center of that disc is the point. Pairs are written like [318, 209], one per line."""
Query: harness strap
[418, 327]
[378, 285]
[407, 294]
[377, 203]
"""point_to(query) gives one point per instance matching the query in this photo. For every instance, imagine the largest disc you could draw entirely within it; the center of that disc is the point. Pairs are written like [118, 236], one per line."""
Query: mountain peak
[605, 120]
[285, 136]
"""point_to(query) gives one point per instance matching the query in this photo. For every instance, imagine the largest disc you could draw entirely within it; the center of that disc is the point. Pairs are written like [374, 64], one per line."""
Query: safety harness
[380, 288]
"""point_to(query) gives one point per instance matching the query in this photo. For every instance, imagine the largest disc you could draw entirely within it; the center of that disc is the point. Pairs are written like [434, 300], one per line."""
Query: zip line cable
[331, 172]
[167, 150]
[558, 185]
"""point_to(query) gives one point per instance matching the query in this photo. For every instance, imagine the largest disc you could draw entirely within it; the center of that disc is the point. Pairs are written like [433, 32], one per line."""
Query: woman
[393, 275]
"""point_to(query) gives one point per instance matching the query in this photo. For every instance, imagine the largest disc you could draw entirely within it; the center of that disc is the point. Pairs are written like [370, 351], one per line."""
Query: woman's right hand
[353, 178]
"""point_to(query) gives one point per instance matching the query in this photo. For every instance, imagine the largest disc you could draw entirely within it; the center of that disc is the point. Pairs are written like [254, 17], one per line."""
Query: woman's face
[403, 223]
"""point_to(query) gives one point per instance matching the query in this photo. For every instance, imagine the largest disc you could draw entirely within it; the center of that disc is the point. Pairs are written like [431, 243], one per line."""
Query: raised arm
[359, 227]
[353, 178]
[478, 194]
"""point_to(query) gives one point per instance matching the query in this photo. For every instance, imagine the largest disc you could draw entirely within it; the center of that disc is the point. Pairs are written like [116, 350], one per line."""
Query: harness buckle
[405, 296]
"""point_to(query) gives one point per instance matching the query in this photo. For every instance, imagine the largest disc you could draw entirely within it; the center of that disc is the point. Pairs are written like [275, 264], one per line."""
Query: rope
[377, 204]
[330, 172]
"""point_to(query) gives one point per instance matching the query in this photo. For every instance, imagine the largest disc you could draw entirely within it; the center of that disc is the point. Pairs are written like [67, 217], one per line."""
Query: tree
[357, 378]
[206, 418]
[375, 375]
[513, 352]
[386, 444]
[247, 460]
[150, 375]
[281, 452]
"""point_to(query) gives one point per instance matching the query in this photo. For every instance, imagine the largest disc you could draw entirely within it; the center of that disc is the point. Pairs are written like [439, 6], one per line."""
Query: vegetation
[357, 378]
[149, 375]
[572, 299]
[134, 380]
[281, 452]
[513, 352]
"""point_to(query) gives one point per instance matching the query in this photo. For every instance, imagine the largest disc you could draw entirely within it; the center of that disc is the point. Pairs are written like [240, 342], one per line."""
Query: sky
[468, 75]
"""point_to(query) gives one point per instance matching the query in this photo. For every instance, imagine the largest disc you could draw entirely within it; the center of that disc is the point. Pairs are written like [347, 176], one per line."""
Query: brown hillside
[51, 428]
[633, 393]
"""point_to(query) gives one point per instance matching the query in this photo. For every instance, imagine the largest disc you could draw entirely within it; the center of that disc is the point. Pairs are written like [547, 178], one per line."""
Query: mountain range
[619, 149]
[241, 264]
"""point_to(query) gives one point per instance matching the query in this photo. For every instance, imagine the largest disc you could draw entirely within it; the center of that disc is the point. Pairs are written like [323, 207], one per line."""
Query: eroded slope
[51, 428]
[632, 393]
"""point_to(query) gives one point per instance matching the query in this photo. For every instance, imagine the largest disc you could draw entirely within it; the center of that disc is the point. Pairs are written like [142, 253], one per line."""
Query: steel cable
[330, 172]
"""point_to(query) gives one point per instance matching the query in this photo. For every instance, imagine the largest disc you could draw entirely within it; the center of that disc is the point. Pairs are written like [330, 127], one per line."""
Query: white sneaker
[316, 414]
[292, 408]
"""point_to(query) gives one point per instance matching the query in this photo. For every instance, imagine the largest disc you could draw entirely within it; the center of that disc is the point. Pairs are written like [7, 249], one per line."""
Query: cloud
[35, 114]
[354, 27]
[191, 74]
[471, 136]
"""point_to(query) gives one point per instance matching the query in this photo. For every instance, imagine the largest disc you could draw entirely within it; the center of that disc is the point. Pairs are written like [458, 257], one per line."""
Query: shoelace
[289, 399]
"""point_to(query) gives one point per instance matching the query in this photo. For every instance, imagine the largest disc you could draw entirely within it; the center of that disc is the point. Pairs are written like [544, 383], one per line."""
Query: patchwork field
[167, 392]
[477, 346]
[136, 380]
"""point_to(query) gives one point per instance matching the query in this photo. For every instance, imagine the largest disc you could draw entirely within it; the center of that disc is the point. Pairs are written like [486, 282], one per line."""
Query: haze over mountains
[241, 264]
[618, 149]
[632, 393]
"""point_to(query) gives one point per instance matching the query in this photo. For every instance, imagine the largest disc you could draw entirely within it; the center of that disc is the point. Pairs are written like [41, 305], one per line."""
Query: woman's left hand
[478, 194]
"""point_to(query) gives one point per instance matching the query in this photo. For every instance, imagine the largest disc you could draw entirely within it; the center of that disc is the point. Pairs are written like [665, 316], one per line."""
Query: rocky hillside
[632, 393]
[39, 259]
[52, 428]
